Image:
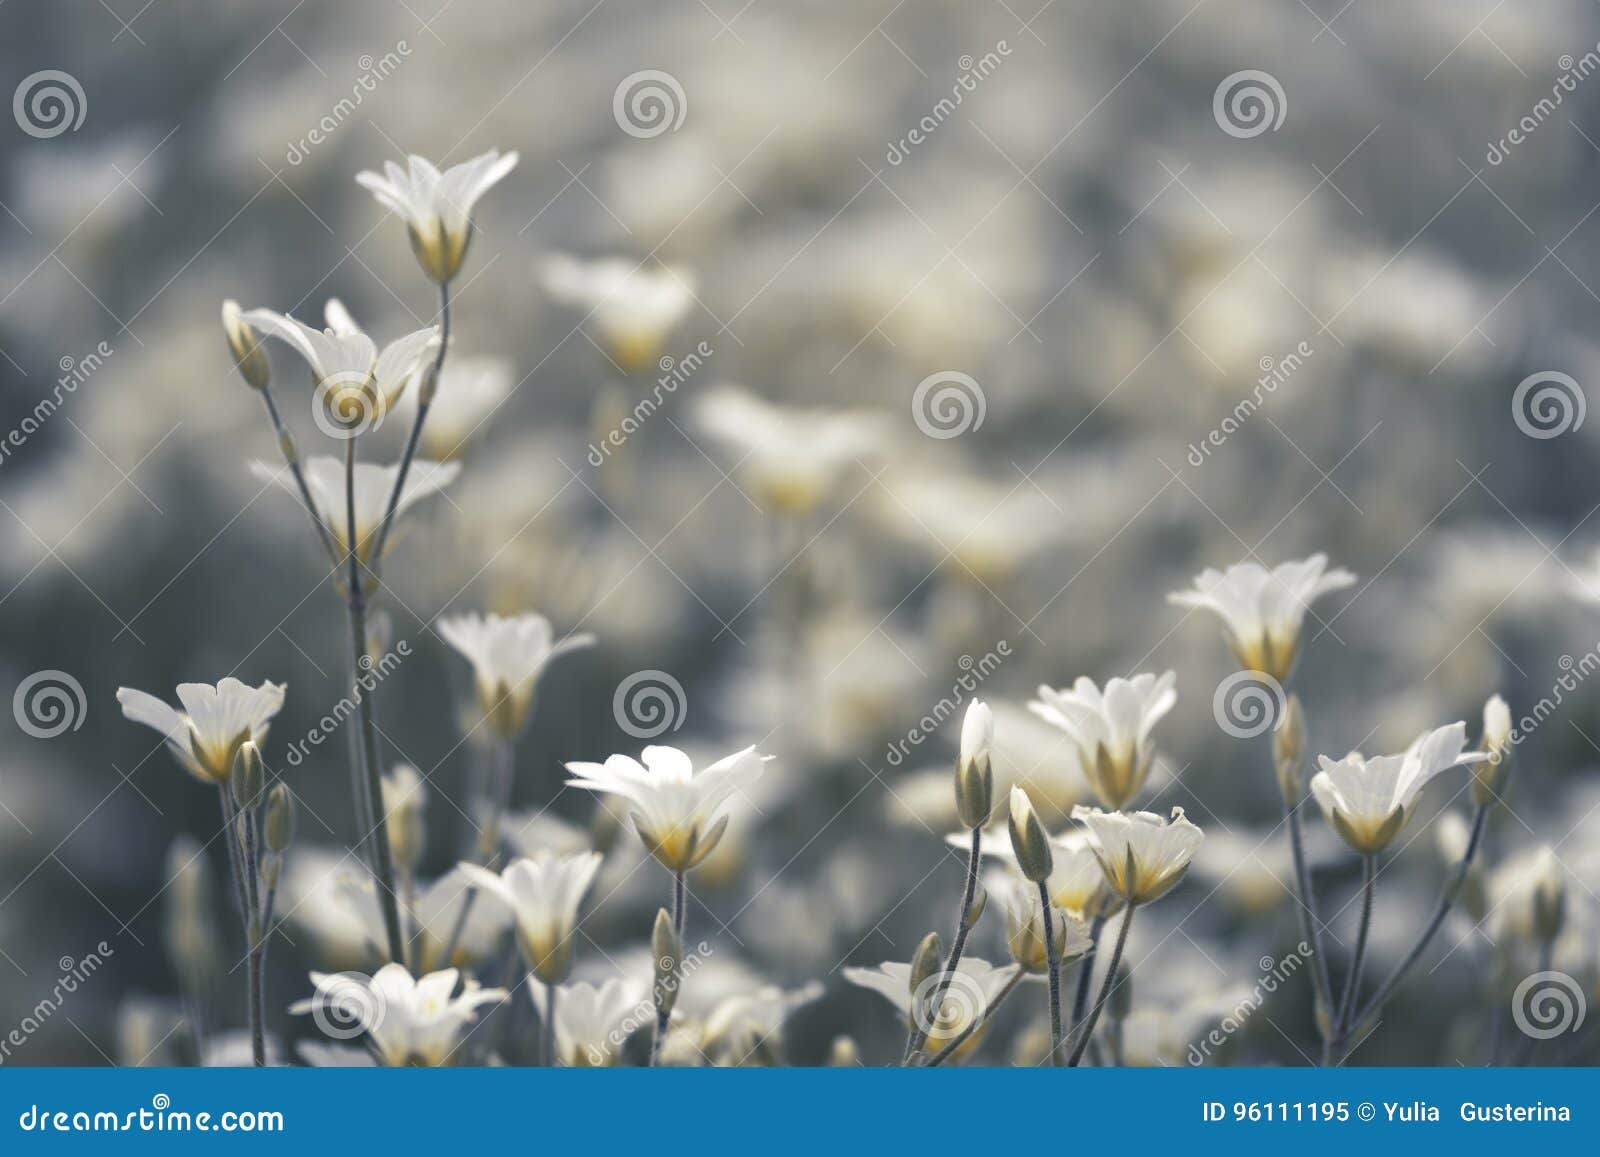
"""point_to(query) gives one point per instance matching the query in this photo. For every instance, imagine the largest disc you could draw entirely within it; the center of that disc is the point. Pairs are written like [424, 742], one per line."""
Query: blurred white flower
[408, 1021]
[544, 893]
[975, 986]
[1368, 801]
[742, 1030]
[437, 207]
[678, 812]
[1143, 856]
[325, 479]
[1076, 881]
[507, 655]
[532, 832]
[469, 391]
[592, 1023]
[1112, 728]
[1263, 610]
[438, 917]
[635, 307]
[215, 721]
[404, 800]
[357, 381]
[1025, 933]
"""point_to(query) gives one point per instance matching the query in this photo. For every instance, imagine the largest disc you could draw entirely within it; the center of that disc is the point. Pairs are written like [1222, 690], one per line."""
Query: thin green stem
[293, 462]
[965, 1034]
[550, 1026]
[1055, 975]
[918, 1035]
[1080, 999]
[1086, 1030]
[1352, 984]
[1310, 928]
[680, 918]
[424, 404]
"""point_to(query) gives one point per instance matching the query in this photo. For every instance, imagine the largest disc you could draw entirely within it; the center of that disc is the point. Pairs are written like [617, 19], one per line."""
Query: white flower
[1368, 801]
[792, 456]
[1143, 856]
[974, 987]
[1263, 610]
[403, 802]
[356, 382]
[408, 1021]
[1076, 881]
[677, 811]
[1111, 728]
[593, 1023]
[215, 721]
[977, 732]
[325, 479]
[543, 893]
[245, 347]
[437, 207]
[744, 1029]
[438, 915]
[1025, 933]
[507, 656]
[635, 307]
[469, 391]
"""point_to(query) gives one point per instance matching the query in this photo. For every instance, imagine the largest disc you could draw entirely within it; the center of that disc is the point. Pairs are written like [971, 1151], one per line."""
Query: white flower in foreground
[791, 456]
[215, 721]
[544, 893]
[634, 306]
[437, 207]
[469, 391]
[593, 1023]
[1368, 801]
[325, 479]
[1143, 856]
[1025, 933]
[409, 1022]
[1263, 610]
[678, 812]
[507, 655]
[1111, 728]
[971, 991]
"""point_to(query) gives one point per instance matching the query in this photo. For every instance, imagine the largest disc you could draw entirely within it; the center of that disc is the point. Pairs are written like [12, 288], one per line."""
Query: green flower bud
[1028, 840]
[926, 961]
[668, 961]
[280, 818]
[245, 346]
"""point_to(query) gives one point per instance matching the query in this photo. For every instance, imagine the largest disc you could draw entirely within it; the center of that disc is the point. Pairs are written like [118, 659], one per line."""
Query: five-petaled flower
[437, 207]
[408, 1021]
[974, 987]
[1368, 801]
[1111, 728]
[507, 656]
[1143, 856]
[214, 723]
[543, 893]
[634, 306]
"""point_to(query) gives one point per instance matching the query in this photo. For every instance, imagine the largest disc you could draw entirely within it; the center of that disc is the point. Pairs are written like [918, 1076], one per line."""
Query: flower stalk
[1086, 1030]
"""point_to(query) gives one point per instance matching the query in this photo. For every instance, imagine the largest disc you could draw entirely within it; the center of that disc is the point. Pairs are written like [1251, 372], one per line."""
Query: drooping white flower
[678, 812]
[409, 1021]
[325, 479]
[544, 893]
[215, 721]
[1264, 610]
[469, 391]
[437, 207]
[635, 307]
[974, 987]
[1368, 801]
[1143, 856]
[1111, 728]
[791, 456]
[507, 655]
[592, 1022]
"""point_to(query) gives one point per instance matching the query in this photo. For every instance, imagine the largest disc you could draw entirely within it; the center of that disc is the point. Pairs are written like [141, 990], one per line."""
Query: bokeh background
[1111, 260]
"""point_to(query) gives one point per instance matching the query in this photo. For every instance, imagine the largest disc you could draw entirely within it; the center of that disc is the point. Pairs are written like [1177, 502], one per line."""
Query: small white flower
[593, 1023]
[1143, 856]
[1111, 728]
[975, 986]
[792, 456]
[507, 655]
[635, 307]
[408, 1021]
[1076, 881]
[357, 382]
[1025, 932]
[1368, 801]
[437, 207]
[544, 893]
[678, 812]
[469, 391]
[325, 479]
[215, 721]
[441, 912]
[977, 732]
[746, 1029]
[1263, 610]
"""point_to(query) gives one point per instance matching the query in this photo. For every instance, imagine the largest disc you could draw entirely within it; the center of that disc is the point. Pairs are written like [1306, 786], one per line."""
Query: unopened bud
[1549, 899]
[246, 779]
[280, 818]
[980, 901]
[926, 961]
[1288, 750]
[668, 961]
[429, 386]
[245, 346]
[974, 772]
[844, 1053]
[1488, 775]
[286, 446]
[1028, 840]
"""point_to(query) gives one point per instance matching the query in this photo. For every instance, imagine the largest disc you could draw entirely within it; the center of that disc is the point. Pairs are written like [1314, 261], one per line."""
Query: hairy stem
[423, 406]
[918, 1035]
[1352, 985]
[1055, 975]
[1086, 1030]
[293, 462]
[965, 1034]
